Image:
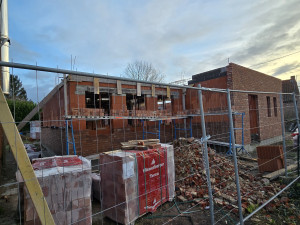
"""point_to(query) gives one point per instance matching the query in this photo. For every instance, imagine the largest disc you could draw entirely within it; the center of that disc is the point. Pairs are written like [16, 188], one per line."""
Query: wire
[281, 57]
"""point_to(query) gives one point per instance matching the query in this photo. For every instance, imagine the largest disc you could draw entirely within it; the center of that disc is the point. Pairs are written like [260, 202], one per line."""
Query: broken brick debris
[191, 181]
[66, 187]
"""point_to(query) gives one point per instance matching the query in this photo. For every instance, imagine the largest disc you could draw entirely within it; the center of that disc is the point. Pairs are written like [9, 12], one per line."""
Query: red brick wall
[250, 80]
[52, 113]
[118, 102]
[90, 142]
[212, 101]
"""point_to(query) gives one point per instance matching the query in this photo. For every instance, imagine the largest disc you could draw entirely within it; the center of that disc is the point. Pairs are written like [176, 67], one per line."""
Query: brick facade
[245, 79]
[108, 136]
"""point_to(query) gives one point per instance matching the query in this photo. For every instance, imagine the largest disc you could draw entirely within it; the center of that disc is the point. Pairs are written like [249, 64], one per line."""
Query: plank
[119, 87]
[168, 92]
[96, 85]
[153, 90]
[280, 172]
[138, 89]
[19, 152]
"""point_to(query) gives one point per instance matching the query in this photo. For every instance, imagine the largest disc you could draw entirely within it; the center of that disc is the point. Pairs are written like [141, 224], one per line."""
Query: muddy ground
[277, 212]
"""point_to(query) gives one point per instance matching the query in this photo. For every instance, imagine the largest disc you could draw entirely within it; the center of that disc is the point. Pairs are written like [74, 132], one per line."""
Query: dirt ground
[168, 213]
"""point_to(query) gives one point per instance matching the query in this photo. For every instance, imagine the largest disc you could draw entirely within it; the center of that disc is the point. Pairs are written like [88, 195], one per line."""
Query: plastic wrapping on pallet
[35, 129]
[136, 182]
[96, 181]
[66, 184]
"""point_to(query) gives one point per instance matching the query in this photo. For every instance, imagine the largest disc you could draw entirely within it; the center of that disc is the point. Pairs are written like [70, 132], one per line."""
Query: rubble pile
[191, 178]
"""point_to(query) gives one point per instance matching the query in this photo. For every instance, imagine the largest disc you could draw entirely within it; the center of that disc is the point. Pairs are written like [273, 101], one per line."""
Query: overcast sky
[176, 36]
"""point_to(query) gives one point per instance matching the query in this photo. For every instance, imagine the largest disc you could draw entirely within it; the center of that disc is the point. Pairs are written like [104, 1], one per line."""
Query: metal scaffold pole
[298, 126]
[283, 133]
[236, 170]
[206, 160]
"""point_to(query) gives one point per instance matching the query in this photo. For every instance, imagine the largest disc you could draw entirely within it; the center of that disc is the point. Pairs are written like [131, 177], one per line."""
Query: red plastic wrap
[152, 179]
[61, 161]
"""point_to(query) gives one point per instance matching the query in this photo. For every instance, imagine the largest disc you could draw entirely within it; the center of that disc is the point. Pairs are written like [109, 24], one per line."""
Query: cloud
[174, 35]
[286, 68]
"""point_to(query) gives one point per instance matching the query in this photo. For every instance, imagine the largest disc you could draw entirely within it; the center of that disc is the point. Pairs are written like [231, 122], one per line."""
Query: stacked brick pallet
[138, 113]
[66, 184]
[270, 158]
[136, 182]
[117, 112]
[87, 112]
[182, 113]
[195, 111]
[163, 113]
[148, 113]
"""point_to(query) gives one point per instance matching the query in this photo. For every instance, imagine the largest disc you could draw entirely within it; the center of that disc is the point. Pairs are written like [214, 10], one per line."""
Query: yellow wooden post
[153, 90]
[20, 154]
[96, 86]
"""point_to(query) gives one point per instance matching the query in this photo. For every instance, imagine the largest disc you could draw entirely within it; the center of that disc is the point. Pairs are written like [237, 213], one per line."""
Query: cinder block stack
[136, 182]
[66, 184]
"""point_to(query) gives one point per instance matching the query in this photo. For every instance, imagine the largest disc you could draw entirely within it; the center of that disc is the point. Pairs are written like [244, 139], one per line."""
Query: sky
[179, 37]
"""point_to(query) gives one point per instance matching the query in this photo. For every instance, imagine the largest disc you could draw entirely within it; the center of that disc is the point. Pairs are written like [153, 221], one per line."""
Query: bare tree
[141, 70]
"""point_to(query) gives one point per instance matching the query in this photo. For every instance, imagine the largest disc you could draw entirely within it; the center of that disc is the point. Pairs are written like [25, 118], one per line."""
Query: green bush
[22, 109]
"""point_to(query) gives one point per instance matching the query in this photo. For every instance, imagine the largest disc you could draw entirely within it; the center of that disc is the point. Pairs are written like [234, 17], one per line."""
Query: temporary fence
[210, 169]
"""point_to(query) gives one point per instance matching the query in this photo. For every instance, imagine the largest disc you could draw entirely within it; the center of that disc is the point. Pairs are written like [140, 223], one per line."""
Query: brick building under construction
[102, 110]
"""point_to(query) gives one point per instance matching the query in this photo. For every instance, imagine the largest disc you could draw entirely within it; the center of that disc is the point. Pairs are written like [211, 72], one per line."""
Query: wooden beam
[138, 89]
[153, 90]
[96, 85]
[21, 157]
[119, 87]
[280, 172]
[168, 92]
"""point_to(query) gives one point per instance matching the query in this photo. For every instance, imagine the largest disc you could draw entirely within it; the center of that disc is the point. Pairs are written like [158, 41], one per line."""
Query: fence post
[297, 119]
[184, 120]
[205, 153]
[283, 133]
[236, 171]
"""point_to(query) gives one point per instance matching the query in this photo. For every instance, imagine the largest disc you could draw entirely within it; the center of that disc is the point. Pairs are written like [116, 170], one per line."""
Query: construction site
[221, 149]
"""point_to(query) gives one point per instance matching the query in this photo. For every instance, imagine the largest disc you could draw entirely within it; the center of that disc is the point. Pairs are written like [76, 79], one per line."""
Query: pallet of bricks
[88, 112]
[66, 185]
[270, 158]
[138, 179]
[119, 112]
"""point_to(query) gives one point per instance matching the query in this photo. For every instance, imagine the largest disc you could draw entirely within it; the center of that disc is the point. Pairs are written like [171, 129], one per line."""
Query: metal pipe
[4, 39]
[260, 92]
[236, 170]
[183, 108]
[298, 125]
[63, 71]
[283, 133]
[271, 199]
[206, 161]
[65, 96]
